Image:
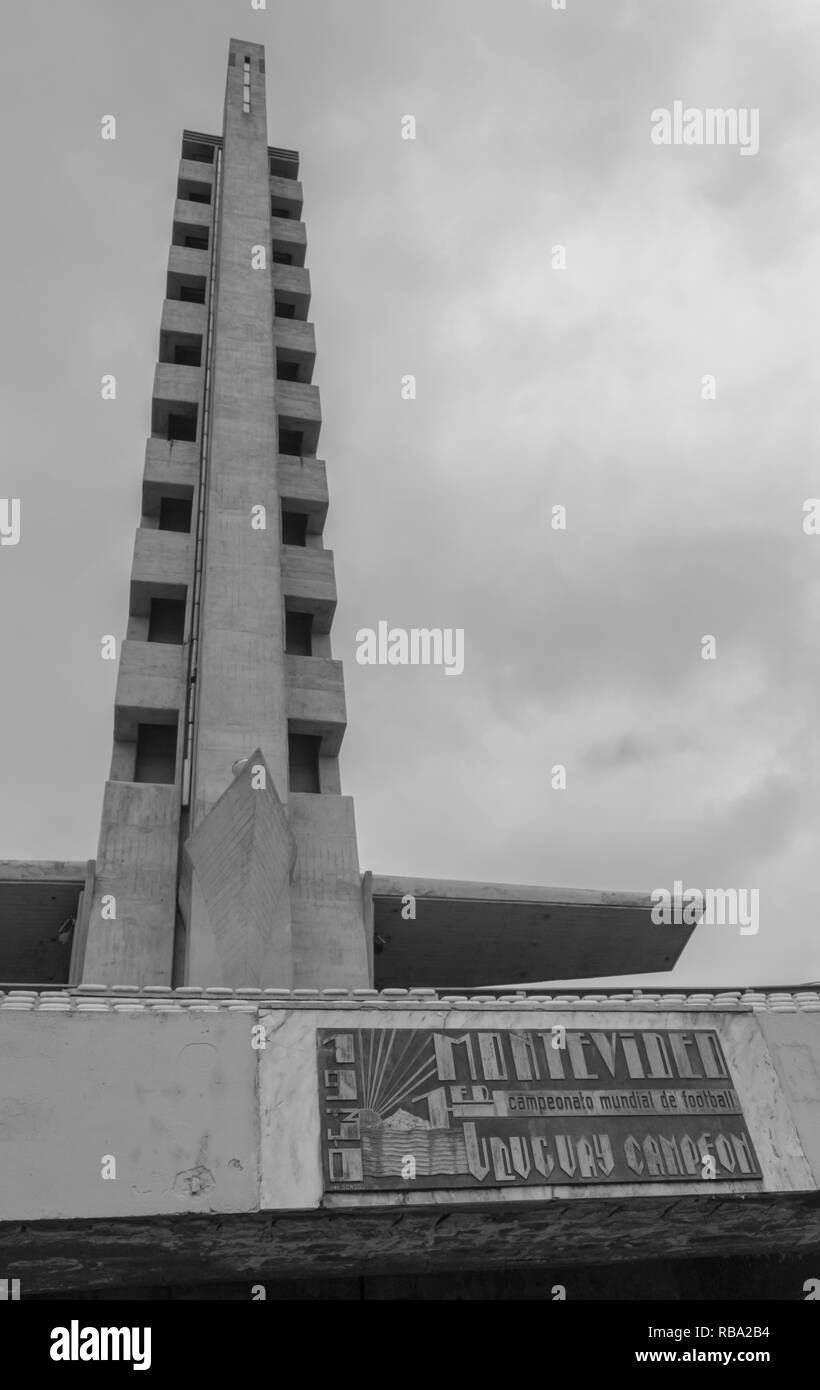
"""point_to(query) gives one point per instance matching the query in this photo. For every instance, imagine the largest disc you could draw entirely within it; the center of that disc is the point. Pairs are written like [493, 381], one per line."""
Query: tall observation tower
[226, 851]
[227, 855]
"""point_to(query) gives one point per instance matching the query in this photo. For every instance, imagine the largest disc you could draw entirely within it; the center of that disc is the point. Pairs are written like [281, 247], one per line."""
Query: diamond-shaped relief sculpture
[243, 855]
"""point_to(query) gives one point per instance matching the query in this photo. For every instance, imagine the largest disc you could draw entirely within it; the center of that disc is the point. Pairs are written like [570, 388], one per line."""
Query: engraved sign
[421, 1108]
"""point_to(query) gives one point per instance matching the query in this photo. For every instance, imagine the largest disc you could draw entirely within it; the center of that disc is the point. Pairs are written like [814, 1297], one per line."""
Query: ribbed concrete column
[240, 681]
[241, 700]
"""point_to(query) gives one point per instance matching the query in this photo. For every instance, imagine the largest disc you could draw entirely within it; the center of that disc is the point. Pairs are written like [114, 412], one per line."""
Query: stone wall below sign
[200, 1122]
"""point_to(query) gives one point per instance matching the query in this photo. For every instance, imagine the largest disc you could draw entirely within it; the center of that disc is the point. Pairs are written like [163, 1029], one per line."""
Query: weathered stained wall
[137, 868]
[171, 1097]
[218, 1149]
[172, 1087]
[795, 1052]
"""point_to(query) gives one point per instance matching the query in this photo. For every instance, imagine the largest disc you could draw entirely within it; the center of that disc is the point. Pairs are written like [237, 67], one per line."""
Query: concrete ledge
[185, 260]
[196, 171]
[193, 214]
[316, 699]
[63, 1256]
[172, 383]
[293, 284]
[43, 870]
[290, 236]
[287, 192]
[35, 997]
[297, 337]
[298, 408]
[303, 486]
[309, 580]
[468, 935]
[171, 470]
[151, 681]
[181, 317]
[163, 562]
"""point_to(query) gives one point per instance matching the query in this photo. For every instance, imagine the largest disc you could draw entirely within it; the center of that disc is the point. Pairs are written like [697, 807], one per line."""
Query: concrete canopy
[479, 935]
[37, 898]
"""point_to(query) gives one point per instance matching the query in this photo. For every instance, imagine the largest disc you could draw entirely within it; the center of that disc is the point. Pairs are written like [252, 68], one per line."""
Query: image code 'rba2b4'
[404, 1108]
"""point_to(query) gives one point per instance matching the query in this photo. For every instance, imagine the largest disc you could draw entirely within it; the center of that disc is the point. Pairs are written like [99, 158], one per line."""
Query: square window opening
[187, 356]
[198, 152]
[298, 633]
[303, 762]
[182, 427]
[290, 442]
[166, 621]
[190, 235]
[294, 528]
[156, 753]
[175, 513]
[191, 192]
[189, 289]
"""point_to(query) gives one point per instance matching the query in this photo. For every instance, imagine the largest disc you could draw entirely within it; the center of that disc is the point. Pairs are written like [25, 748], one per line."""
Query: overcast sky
[536, 387]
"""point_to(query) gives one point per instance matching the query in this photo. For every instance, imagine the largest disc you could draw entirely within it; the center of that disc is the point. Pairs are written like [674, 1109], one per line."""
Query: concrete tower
[227, 855]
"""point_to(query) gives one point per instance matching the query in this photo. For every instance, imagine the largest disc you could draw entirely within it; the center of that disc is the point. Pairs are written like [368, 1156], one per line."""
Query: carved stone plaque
[427, 1108]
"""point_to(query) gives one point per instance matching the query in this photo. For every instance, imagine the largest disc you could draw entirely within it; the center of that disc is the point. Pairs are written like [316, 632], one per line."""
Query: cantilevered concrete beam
[474, 935]
[39, 899]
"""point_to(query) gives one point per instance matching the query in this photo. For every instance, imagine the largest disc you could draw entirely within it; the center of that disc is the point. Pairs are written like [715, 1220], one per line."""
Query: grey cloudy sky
[535, 387]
